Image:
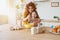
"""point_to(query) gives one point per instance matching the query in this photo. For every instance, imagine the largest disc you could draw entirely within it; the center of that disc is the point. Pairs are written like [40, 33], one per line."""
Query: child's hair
[33, 6]
[36, 14]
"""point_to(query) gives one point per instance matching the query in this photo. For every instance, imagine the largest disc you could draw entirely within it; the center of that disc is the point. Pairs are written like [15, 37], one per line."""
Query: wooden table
[25, 34]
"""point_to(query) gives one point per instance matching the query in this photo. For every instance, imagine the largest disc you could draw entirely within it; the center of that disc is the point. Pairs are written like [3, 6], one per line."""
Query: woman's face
[30, 9]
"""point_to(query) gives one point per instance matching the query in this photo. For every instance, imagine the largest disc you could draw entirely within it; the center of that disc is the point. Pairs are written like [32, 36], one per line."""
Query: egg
[54, 30]
[58, 30]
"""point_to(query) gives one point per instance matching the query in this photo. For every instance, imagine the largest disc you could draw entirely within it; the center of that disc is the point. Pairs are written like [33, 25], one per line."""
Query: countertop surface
[50, 20]
[25, 34]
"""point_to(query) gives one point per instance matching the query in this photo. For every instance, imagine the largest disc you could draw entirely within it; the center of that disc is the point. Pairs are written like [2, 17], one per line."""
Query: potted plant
[56, 17]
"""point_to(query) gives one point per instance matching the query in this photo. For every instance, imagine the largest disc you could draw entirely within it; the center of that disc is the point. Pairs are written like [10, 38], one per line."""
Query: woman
[30, 16]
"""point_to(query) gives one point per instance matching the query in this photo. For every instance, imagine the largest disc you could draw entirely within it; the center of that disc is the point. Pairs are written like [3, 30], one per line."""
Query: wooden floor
[26, 35]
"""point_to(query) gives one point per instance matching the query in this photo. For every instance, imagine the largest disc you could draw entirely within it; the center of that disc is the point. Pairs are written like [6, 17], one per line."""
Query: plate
[54, 32]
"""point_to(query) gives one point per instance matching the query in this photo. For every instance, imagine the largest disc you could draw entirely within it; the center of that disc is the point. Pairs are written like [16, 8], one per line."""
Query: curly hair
[33, 6]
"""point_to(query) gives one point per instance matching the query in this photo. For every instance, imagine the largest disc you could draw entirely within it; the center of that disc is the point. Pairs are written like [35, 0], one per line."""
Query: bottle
[51, 26]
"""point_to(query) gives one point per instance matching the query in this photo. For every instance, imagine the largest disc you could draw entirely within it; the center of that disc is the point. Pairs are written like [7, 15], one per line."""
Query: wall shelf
[47, 20]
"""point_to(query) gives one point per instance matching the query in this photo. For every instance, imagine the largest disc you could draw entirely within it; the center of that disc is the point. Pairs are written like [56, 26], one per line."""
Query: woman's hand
[25, 19]
[29, 18]
[37, 20]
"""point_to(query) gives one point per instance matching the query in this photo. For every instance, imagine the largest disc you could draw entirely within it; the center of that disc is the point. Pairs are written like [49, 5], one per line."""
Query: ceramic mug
[33, 30]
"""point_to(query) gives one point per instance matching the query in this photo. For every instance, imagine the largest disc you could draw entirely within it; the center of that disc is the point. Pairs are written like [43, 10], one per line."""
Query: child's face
[34, 14]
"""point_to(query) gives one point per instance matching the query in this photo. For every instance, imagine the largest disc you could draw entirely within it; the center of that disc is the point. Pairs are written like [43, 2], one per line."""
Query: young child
[34, 15]
[34, 19]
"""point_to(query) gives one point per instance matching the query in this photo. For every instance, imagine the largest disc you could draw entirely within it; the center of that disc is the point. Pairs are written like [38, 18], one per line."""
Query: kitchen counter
[48, 20]
[25, 34]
